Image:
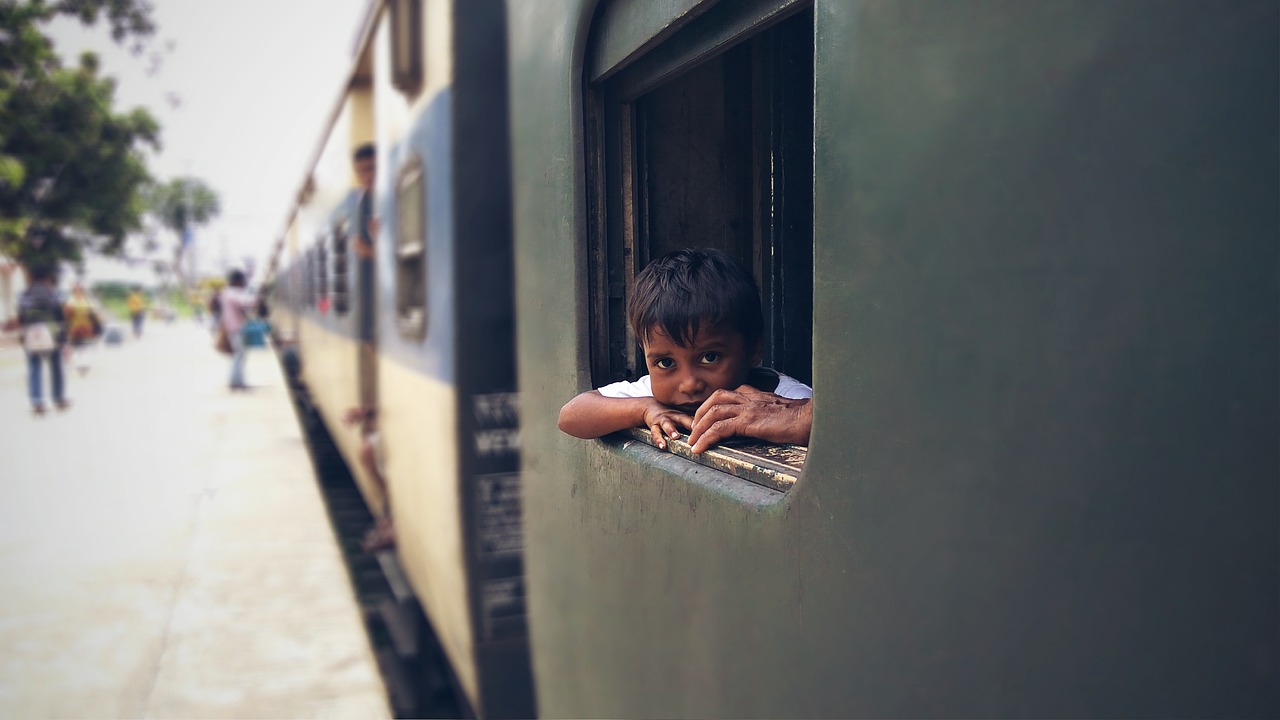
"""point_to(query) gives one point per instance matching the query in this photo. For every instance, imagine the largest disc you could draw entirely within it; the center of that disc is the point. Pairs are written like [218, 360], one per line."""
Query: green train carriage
[1026, 253]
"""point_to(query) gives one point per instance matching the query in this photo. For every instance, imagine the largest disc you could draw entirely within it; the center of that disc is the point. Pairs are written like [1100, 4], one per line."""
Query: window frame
[410, 250]
[309, 280]
[779, 247]
[407, 67]
[323, 300]
[340, 239]
[616, 203]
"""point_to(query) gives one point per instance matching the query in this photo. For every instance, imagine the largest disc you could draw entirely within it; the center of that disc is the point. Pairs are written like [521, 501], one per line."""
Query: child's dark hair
[681, 290]
[235, 278]
[365, 152]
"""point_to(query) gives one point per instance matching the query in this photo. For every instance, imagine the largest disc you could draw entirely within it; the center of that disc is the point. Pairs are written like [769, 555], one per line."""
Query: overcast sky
[242, 89]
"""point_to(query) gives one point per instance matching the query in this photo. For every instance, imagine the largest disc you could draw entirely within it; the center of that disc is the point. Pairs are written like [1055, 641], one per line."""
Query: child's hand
[664, 422]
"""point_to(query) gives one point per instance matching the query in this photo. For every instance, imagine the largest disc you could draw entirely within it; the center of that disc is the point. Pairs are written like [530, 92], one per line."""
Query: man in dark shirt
[43, 333]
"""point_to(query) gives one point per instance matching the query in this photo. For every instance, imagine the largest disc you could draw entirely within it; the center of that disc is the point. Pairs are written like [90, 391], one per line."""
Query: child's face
[366, 169]
[683, 377]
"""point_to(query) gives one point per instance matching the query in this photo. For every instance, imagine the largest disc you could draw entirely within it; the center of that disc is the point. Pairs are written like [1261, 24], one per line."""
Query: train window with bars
[309, 279]
[411, 250]
[299, 284]
[341, 275]
[706, 140]
[322, 275]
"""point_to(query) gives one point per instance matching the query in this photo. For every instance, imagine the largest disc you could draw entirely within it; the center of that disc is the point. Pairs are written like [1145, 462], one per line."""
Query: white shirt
[788, 387]
[237, 305]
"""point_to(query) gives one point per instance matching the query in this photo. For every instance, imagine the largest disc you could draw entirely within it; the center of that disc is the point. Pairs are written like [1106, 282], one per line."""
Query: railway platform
[165, 550]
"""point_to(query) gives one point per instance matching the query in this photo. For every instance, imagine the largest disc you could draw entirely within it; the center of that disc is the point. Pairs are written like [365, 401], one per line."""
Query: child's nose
[691, 384]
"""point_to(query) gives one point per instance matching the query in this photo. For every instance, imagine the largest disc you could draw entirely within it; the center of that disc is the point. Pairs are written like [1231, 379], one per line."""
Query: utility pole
[188, 234]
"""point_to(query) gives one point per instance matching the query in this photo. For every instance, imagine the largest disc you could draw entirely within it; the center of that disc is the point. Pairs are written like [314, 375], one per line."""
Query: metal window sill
[773, 466]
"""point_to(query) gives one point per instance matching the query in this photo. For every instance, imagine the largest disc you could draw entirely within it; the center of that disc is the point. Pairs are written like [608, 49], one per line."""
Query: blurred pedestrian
[43, 336]
[84, 324]
[235, 306]
[137, 309]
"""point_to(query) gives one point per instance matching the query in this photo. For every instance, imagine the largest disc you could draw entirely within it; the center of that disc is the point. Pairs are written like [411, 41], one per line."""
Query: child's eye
[711, 357]
[665, 363]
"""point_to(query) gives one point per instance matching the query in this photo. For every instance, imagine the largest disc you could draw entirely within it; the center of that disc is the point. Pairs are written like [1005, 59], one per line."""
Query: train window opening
[406, 46]
[322, 275]
[411, 257]
[309, 280]
[341, 291]
[707, 141]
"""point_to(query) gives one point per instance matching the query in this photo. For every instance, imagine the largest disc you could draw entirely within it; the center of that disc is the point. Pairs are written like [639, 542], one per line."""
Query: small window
[322, 275]
[705, 141]
[411, 256]
[341, 295]
[406, 46]
[309, 279]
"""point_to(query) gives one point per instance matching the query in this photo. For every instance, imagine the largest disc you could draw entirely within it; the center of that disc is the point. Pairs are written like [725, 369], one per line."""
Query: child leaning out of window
[697, 315]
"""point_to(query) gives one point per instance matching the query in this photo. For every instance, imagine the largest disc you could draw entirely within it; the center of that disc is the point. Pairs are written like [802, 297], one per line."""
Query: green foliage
[70, 166]
[179, 204]
[180, 301]
[183, 201]
[128, 18]
[112, 296]
[111, 290]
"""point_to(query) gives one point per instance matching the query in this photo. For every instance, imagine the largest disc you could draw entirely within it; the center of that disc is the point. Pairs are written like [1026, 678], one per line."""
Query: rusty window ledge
[772, 466]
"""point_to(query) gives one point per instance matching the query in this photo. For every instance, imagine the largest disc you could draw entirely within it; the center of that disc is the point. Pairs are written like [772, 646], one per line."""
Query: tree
[180, 205]
[70, 167]
[183, 202]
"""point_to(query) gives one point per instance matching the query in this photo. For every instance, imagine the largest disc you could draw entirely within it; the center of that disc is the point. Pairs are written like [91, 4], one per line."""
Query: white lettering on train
[497, 442]
[497, 409]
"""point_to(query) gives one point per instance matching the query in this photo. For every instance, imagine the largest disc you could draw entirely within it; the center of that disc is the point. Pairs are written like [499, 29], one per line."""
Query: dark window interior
[341, 275]
[309, 279]
[411, 258]
[717, 154]
[406, 46]
[322, 274]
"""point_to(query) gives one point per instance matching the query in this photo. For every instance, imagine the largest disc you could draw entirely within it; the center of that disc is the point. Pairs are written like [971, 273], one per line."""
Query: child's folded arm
[592, 415]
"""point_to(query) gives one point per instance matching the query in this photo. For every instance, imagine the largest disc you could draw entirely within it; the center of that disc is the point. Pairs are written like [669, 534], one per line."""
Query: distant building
[12, 283]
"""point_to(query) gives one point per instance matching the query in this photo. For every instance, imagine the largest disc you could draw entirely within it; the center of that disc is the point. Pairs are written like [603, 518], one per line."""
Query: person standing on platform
[235, 306]
[83, 325]
[43, 336]
[137, 310]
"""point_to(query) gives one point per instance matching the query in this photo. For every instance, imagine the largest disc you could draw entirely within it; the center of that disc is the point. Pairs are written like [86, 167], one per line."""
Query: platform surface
[164, 549]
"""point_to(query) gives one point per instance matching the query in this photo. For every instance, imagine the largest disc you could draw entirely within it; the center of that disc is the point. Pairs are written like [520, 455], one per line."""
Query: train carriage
[1042, 474]
[428, 89]
[1025, 253]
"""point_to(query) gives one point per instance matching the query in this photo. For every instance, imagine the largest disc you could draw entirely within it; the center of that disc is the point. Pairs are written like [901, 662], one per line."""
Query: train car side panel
[1042, 473]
